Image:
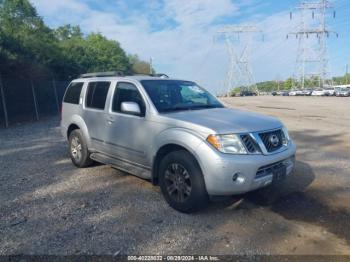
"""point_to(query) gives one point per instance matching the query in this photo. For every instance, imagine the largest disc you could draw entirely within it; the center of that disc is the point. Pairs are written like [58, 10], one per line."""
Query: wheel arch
[71, 128]
[162, 152]
[77, 122]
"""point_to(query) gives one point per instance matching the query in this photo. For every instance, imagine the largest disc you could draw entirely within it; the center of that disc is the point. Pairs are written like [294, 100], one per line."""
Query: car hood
[226, 120]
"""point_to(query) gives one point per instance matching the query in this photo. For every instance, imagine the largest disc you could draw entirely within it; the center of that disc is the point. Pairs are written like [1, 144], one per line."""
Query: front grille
[268, 169]
[268, 137]
[250, 144]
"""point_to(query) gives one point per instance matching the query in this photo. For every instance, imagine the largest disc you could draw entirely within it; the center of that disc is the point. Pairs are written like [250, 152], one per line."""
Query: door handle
[110, 120]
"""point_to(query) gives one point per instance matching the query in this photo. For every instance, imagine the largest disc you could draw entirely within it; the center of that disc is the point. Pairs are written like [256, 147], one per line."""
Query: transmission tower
[239, 73]
[312, 33]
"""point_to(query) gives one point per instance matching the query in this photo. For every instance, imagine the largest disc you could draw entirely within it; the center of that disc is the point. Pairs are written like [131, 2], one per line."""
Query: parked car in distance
[293, 92]
[175, 134]
[248, 93]
[344, 92]
[280, 93]
[330, 91]
[296, 92]
[319, 92]
[306, 92]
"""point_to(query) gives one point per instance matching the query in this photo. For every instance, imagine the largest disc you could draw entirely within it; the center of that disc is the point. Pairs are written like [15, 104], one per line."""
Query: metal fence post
[35, 102]
[4, 102]
[56, 97]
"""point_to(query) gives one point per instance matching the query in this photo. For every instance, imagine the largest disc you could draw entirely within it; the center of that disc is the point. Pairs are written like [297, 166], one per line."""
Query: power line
[312, 60]
[239, 73]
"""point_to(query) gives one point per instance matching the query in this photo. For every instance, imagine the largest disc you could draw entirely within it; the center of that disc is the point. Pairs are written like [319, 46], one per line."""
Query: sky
[182, 36]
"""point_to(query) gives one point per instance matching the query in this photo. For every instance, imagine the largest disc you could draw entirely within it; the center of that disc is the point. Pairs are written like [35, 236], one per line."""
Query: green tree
[68, 32]
[288, 84]
[90, 54]
[26, 43]
[29, 47]
[104, 55]
[139, 66]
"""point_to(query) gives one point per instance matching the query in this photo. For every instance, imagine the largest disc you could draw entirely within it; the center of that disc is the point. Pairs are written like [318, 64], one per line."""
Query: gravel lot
[47, 206]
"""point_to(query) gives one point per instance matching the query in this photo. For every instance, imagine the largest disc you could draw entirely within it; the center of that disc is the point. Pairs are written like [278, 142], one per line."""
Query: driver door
[126, 134]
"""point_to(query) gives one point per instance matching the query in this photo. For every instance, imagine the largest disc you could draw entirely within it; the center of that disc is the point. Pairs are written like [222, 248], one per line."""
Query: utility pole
[3, 100]
[312, 60]
[239, 73]
[150, 66]
[346, 74]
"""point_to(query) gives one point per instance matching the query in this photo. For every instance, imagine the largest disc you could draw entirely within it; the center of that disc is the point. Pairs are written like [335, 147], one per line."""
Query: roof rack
[118, 73]
[161, 75]
[102, 74]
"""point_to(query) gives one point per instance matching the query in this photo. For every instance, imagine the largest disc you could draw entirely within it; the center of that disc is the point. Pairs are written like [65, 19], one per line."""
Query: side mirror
[131, 108]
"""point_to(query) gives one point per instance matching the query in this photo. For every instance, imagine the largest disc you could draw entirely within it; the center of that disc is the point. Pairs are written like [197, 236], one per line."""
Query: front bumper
[220, 169]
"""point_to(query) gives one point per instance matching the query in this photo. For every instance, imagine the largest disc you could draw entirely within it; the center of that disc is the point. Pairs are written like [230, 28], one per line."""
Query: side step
[127, 167]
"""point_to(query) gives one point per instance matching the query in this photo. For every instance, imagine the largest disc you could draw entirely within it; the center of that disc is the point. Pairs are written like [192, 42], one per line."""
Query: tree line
[29, 48]
[288, 84]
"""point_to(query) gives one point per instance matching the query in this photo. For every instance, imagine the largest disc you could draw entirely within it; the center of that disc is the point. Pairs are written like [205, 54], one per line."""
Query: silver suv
[174, 133]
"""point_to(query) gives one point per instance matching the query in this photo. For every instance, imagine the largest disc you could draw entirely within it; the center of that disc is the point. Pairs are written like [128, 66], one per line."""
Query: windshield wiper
[205, 107]
[175, 108]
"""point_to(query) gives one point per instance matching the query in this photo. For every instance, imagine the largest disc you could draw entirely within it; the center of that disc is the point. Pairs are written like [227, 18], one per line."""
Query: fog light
[238, 178]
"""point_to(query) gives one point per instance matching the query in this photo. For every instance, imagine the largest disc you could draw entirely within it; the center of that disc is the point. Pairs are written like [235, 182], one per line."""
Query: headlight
[230, 144]
[285, 137]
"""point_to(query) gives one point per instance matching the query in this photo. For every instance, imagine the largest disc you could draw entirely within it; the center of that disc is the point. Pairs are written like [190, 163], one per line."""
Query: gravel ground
[47, 206]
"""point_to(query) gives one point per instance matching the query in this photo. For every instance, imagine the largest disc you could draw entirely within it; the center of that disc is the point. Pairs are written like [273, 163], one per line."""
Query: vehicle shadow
[294, 201]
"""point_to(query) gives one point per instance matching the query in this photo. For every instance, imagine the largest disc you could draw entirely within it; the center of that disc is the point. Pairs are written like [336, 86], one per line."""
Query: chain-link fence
[29, 99]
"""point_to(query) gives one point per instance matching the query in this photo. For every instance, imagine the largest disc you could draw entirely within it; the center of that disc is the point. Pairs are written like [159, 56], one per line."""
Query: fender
[183, 137]
[79, 121]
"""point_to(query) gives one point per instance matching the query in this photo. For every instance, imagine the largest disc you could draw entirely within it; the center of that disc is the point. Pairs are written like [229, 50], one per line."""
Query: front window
[127, 92]
[176, 95]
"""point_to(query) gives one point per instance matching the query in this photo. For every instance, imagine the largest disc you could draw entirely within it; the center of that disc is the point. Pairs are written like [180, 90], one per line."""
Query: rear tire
[78, 149]
[181, 181]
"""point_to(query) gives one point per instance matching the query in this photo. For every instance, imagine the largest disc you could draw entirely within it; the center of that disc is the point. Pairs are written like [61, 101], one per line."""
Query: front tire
[181, 181]
[78, 149]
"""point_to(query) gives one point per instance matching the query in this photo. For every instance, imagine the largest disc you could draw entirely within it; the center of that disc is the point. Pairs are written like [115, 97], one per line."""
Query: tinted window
[73, 93]
[127, 92]
[97, 94]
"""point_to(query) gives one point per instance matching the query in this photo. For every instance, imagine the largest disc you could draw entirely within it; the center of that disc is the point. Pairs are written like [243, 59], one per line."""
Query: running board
[131, 168]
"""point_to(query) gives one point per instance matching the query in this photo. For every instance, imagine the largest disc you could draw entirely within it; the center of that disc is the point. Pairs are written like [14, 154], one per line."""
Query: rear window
[73, 93]
[97, 94]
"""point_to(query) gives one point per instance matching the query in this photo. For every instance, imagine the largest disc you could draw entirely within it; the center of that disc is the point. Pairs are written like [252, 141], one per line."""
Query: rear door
[94, 111]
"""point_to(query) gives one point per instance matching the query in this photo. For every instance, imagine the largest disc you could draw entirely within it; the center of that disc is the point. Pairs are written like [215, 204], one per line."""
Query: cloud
[177, 49]
[178, 34]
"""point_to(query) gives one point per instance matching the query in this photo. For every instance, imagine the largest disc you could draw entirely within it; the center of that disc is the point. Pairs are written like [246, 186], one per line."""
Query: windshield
[176, 95]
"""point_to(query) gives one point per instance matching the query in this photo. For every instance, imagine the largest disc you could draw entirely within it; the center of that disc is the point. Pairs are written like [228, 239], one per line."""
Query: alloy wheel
[178, 182]
[76, 148]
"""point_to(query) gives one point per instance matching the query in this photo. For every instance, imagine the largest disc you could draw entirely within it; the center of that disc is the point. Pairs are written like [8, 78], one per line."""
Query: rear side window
[73, 93]
[127, 92]
[97, 94]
